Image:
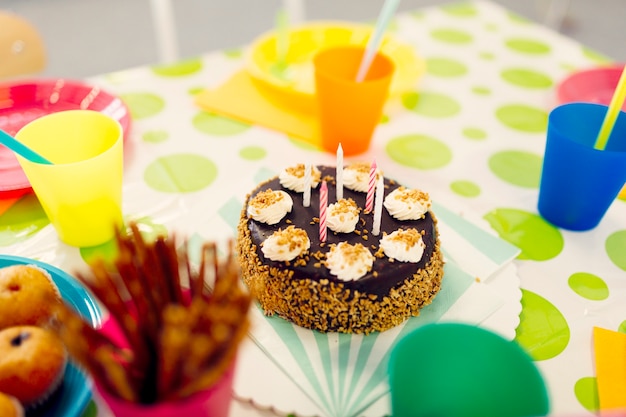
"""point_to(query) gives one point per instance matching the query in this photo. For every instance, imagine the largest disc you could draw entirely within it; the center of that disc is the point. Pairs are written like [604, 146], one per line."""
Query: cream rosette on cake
[293, 178]
[286, 244]
[403, 245]
[348, 262]
[407, 203]
[356, 176]
[270, 206]
[343, 216]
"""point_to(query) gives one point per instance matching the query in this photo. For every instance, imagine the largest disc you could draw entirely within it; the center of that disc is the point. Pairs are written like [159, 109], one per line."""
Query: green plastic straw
[21, 149]
[611, 114]
[385, 15]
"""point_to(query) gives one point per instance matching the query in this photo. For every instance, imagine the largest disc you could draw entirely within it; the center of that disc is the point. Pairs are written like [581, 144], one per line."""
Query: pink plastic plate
[594, 85]
[23, 101]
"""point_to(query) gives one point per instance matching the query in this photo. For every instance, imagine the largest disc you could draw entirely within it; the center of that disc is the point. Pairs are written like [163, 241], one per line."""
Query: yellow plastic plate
[291, 81]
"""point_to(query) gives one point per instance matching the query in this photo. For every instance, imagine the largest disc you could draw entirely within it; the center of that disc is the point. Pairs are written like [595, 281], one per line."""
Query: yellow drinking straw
[611, 115]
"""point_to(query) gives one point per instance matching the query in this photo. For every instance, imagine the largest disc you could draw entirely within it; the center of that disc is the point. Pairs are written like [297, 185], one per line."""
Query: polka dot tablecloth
[471, 133]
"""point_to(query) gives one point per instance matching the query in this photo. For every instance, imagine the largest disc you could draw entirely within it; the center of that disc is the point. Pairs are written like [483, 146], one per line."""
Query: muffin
[10, 406]
[32, 364]
[25, 294]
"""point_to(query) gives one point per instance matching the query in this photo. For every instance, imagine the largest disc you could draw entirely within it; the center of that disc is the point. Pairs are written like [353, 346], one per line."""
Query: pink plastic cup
[214, 402]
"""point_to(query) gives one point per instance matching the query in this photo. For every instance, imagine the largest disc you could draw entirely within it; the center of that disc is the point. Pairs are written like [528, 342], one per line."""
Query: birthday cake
[329, 252]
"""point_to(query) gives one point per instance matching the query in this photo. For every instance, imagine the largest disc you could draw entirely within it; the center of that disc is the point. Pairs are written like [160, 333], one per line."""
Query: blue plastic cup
[579, 183]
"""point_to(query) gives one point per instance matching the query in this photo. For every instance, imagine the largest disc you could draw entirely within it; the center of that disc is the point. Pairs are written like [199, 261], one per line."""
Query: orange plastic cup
[349, 111]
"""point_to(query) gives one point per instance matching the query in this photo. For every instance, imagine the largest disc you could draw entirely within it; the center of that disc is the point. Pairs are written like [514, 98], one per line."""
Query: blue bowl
[75, 392]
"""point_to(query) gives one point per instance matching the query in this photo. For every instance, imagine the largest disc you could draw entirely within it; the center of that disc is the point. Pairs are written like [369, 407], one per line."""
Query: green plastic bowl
[460, 370]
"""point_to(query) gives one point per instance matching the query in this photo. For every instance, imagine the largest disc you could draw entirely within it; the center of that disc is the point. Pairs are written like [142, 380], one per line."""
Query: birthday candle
[306, 195]
[378, 206]
[339, 172]
[371, 189]
[323, 205]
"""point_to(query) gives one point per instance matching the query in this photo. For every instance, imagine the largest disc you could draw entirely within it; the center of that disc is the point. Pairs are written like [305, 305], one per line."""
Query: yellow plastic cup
[349, 111]
[81, 192]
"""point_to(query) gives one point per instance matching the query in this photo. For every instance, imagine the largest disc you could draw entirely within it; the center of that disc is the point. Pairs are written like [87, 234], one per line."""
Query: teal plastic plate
[75, 392]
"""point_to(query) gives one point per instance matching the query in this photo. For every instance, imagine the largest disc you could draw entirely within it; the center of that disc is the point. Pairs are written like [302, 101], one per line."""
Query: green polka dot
[143, 105]
[614, 246]
[517, 167]
[474, 133]
[178, 69]
[196, 90]
[523, 118]
[543, 331]
[526, 78]
[384, 119]
[453, 36]
[22, 220]
[588, 286]
[253, 153]
[537, 239]
[586, 392]
[596, 56]
[622, 327]
[214, 124]
[487, 56]
[517, 18]
[431, 104]
[155, 136]
[527, 46]
[445, 67]
[460, 10]
[491, 27]
[108, 251]
[465, 188]
[180, 173]
[481, 91]
[233, 53]
[419, 151]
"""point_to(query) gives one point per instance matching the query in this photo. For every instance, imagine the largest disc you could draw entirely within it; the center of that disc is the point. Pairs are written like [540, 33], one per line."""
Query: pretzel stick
[178, 345]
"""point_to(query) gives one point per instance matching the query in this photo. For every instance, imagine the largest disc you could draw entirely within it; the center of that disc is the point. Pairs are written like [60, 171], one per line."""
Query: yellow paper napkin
[240, 99]
[610, 359]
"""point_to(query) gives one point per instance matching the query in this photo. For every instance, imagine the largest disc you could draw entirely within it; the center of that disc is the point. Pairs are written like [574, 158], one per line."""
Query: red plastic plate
[594, 85]
[23, 101]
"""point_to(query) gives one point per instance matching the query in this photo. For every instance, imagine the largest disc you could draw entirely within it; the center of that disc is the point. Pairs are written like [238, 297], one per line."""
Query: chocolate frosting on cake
[384, 275]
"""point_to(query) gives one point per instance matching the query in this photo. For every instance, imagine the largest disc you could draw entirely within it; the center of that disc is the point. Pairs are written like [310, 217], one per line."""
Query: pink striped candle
[323, 206]
[371, 189]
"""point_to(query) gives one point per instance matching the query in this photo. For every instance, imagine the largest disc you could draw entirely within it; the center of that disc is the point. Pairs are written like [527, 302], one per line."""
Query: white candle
[306, 194]
[378, 206]
[339, 174]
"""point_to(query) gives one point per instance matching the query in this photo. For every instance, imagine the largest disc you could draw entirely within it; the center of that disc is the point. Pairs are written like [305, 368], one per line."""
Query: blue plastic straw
[20, 149]
[389, 8]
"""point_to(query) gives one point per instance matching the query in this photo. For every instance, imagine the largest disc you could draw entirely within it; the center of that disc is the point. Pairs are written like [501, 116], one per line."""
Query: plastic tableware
[579, 183]
[75, 393]
[460, 370]
[24, 100]
[214, 401]
[593, 85]
[348, 110]
[82, 192]
[295, 87]
[19, 148]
